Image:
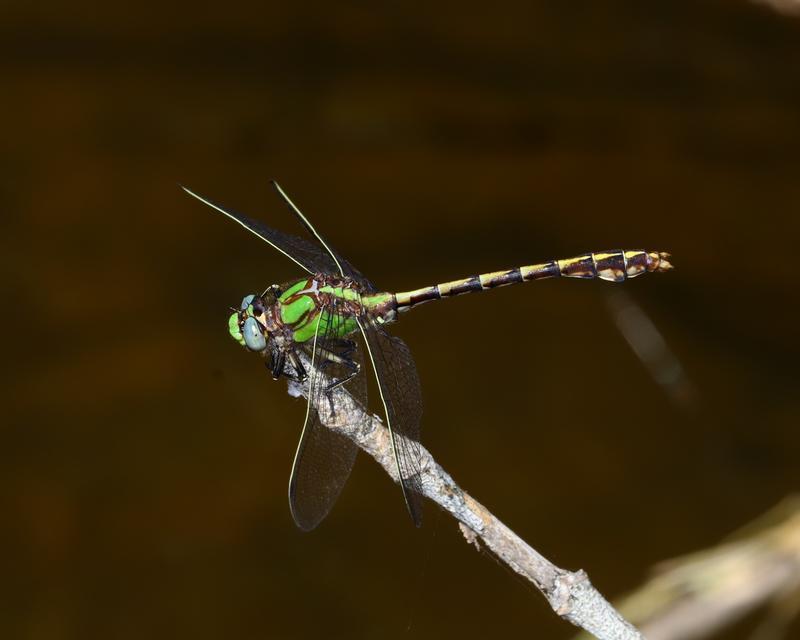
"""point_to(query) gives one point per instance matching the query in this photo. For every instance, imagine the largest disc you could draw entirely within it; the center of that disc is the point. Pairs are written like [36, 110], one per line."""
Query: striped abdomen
[614, 266]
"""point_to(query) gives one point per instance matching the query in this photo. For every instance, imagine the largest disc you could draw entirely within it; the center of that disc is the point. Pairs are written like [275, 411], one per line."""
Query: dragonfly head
[247, 324]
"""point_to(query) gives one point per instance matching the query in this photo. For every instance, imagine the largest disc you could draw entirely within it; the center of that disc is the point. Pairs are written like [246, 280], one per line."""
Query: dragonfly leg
[355, 369]
[329, 358]
[348, 347]
[276, 363]
[300, 370]
[272, 292]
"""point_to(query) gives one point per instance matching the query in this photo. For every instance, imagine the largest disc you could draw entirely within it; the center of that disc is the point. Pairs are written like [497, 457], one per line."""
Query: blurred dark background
[145, 456]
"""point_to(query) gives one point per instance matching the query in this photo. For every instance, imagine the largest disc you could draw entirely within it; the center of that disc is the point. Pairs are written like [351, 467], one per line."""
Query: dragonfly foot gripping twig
[570, 594]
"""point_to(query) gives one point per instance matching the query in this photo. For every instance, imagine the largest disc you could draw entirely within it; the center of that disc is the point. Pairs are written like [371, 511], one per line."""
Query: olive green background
[145, 456]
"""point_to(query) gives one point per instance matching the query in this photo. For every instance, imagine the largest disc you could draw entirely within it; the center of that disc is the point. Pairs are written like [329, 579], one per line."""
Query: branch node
[470, 536]
[562, 596]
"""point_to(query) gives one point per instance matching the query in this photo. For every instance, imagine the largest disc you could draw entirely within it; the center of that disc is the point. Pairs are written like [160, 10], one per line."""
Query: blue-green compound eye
[246, 302]
[253, 337]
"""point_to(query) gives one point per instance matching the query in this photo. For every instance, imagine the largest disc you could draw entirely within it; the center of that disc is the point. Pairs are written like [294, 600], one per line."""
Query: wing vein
[216, 207]
[309, 227]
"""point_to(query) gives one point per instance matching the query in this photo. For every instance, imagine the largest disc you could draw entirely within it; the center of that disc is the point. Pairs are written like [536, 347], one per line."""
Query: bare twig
[697, 595]
[569, 593]
[787, 7]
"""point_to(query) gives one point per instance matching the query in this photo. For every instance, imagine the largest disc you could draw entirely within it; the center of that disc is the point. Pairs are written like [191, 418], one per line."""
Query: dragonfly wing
[400, 393]
[341, 266]
[324, 457]
[308, 256]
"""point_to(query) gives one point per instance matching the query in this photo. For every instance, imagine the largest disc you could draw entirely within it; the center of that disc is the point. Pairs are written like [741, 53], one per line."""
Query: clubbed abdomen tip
[659, 261]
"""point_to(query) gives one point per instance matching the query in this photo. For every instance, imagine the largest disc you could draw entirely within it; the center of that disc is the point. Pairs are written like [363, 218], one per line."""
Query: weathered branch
[786, 7]
[570, 594]
[698, 595]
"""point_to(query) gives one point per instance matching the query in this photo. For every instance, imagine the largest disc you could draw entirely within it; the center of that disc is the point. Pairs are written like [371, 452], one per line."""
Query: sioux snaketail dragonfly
[328, 311]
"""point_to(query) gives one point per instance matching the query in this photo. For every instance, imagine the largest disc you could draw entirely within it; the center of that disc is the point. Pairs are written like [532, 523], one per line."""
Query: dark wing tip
[303, 522]
[305, 525]
[413, 504]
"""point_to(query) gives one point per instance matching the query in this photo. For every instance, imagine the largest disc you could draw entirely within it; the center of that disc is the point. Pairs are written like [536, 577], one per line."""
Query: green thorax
[309, 301]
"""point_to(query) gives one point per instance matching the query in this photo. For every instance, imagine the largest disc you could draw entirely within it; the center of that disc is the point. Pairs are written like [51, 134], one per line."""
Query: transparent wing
[324, 457]
[341, 266]
[652, 349]
[400, 393]
[308, 256]
[396, 376]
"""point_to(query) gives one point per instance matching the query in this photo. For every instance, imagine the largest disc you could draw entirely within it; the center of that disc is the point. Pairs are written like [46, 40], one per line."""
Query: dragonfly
[338, 319]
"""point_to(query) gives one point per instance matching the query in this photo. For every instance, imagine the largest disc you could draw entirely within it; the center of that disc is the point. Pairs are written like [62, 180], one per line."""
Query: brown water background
[145, 456]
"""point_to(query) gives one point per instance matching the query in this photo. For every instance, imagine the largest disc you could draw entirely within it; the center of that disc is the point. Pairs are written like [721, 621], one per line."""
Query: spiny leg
[329, 357]
[276, 363]
[300, 371]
